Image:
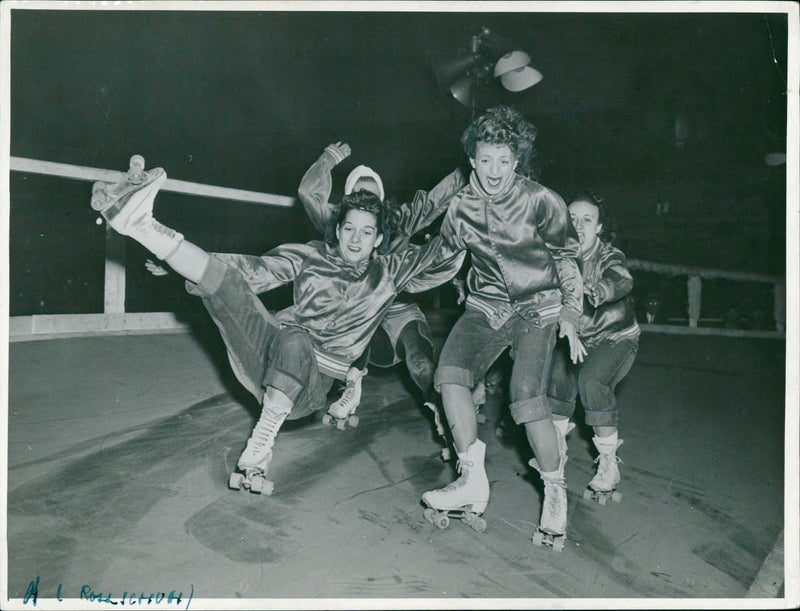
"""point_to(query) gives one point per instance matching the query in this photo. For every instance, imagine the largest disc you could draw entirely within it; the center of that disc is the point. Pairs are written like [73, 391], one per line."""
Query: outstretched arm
[427, 206]
[315, 187]
[277, 267]
[562, 241]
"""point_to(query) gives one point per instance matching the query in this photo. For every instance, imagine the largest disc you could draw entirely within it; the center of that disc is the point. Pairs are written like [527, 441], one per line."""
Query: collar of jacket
[480, 192]
[585, 256]
[333, 255]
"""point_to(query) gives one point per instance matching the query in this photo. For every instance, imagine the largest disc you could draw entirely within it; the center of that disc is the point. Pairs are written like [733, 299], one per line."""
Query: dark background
[646, 109]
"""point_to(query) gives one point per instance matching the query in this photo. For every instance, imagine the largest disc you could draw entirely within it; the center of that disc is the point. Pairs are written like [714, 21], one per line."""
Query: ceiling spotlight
[487, 56]
[515, 73]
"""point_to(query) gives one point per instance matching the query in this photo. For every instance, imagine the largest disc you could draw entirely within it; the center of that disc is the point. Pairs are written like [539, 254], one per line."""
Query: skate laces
[266, 429]
[606, 462]
[552, 495]
[462, 480]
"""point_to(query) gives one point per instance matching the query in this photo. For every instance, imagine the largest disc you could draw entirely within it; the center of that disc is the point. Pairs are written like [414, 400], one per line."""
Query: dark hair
[503, 125]
[368, 202]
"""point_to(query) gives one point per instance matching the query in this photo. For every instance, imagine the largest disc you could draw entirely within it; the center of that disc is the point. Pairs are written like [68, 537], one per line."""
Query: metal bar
[77, 172]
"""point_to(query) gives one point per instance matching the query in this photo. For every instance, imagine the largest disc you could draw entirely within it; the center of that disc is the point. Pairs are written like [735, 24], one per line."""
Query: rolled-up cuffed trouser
[472, 346]
[260, 352]
[596, 379]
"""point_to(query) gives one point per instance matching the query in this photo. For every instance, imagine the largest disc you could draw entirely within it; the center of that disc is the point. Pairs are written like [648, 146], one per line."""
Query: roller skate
[342, 412]
[479, 400]
[466, 498]
[118, 201]
[440, 430]
[254, 461]
[603, 485]
[127, 207]
[552, 529]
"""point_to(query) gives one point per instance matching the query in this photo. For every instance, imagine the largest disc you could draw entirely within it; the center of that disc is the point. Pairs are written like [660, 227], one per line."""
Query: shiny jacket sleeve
[427, 206]
[561, 240]
[421, 268]
[277, 267]
[615, 280]
[315, 191]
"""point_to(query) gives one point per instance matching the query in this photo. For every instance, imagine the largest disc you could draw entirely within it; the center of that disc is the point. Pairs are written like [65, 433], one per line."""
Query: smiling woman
[341, 292]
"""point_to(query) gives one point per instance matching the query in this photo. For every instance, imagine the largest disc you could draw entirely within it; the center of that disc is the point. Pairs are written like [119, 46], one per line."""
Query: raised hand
[339, 151]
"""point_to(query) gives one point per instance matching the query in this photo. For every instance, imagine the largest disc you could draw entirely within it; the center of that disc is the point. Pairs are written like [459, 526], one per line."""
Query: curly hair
[503, 125]
[368, 202]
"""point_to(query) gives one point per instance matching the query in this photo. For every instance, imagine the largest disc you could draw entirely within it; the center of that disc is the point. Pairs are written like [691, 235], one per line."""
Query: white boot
[258, 453]
[554, 508]
[128, 209]
[351, 397]
[607, 476]
[471, 489]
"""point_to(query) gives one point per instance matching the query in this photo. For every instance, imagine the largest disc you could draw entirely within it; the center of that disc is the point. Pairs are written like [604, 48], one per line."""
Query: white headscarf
[362, 171]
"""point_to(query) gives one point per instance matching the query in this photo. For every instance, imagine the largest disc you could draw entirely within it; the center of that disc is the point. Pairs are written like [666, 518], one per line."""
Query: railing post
[114, 290]
[694, 289]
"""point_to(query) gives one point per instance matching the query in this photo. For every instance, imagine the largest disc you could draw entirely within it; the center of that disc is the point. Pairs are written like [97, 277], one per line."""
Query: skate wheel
[341, 424]
[327, 419]
[616, 496]
[479, 524]
[446, 454]
[538, 538]
[587, 494]
[499, 432]
[558, 544]
[481, 418]
[353, 421]
[442, 521]
[603, 499]
[257, 485]
[235, 481]
[429, 514]
[468, 518]
[267, 487]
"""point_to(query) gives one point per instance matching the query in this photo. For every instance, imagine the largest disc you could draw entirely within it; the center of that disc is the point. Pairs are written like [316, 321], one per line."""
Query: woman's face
[585, 218]
[494, 165]
[358, 236]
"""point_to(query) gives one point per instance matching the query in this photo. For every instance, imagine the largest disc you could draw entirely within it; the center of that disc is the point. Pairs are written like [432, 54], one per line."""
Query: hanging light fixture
[488, 56]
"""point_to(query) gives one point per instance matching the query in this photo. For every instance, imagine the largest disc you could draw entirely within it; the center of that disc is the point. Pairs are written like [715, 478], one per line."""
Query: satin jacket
[340, 305]
[524, 250]
[611, 317]
[427, 206]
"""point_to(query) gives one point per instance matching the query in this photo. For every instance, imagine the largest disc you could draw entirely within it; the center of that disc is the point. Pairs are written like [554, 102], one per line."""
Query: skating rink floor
[120, 449]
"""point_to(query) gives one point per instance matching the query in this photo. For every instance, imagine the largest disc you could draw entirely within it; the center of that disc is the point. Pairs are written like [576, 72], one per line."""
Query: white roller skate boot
[255, 459]
[552, 530]
[479, 400]
[342, 411]
[127, 207]
[467, 497]
[603, 485]
[440, 430]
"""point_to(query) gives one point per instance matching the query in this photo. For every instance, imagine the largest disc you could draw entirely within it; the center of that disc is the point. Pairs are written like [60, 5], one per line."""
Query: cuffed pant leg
[468, 352]
[293, 370]
[604, 367]
[530, 376]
